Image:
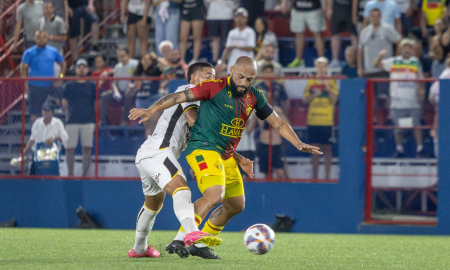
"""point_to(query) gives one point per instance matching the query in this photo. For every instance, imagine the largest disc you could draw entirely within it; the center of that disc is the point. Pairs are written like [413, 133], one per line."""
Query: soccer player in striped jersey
[226, 106]
[161, 173]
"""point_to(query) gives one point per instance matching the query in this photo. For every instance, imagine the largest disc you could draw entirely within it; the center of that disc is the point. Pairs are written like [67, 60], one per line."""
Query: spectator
[59, 7]
[46, 129]
[444, 42]
[101, 70]
[436, 51]
[219, 19]
[240, 41]
[167, 21]
[79, 106]
[148, 91]
[120, 89]
[306, 13]
[375, 37]
[343, 17]
[28, 15]
[431, 11]
[264, 37]
[433, 97]
[75, 10]
[406, 97]
[321, 96]
[54, 26]
[278, 94]
[406, 8]
[390, 13]
[349, 69]
[274, 139]
[175, 69]
[192, 15]
[268, 58]
[255, 9]
[164, 50]
[38, 61]
[138, 23]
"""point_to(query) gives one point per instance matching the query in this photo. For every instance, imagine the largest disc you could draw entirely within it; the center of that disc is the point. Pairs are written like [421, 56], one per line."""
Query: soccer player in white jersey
[161, 173]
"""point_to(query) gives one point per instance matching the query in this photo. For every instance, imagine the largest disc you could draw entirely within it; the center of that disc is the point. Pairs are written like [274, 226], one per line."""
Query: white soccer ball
[259, 239]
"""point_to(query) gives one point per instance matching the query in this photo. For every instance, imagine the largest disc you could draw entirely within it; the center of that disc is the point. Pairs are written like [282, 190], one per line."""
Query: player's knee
[234, 209]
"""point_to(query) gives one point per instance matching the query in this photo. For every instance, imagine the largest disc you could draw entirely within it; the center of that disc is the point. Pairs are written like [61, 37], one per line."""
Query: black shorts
[38, 95]
[134, 18]
[75, 20]
[263, 154]
[219, 28]
[341, 20]
[319, 134]
[193, 14]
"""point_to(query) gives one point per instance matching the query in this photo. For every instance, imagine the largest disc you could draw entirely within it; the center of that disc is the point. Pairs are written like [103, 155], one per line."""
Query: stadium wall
[328, 208]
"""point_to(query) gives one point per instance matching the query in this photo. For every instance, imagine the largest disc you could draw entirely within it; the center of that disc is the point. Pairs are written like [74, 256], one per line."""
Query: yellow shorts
[226, 172]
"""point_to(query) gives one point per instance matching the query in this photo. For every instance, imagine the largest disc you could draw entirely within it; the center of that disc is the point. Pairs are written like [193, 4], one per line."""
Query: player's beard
[234, 89]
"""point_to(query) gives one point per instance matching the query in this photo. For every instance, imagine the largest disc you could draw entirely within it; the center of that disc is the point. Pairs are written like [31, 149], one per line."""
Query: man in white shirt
[406, 97]
[269, 59]
[241, 41]
[46, 129]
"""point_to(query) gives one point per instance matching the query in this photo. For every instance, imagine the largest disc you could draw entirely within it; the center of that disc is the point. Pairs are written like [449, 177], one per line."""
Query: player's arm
[285, 130]
[191, 115]
[245, 164]
[162, 104]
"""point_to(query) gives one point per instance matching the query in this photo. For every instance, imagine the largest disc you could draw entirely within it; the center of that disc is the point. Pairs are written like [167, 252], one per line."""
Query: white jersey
[172, 130]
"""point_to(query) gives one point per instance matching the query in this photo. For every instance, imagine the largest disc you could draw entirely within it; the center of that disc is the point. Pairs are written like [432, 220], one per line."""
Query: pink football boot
[152, 253]
[201, 237]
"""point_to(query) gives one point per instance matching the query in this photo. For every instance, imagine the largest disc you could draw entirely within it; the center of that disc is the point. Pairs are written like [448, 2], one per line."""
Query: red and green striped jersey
[222, 117]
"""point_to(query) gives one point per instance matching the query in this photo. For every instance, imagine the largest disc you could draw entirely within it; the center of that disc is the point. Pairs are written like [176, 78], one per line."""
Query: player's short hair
[102, 56]
[351, 48]
[197, 67]
[375, 9]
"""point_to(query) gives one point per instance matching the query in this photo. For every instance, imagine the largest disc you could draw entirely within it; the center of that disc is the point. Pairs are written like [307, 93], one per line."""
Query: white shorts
[315, 20]
[157, 168]
[83, 131]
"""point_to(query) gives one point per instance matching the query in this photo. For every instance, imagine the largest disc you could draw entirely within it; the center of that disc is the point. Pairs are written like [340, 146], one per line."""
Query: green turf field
[107, 249]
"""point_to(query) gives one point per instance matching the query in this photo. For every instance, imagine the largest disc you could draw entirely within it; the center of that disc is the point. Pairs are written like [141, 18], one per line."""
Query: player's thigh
[73, 130]
[208, 168]
[234, 186]
[315, 20]
[416, 115]
[160, 167]
[298, 23]
[87, 135]
[197, 29]
[185, 27]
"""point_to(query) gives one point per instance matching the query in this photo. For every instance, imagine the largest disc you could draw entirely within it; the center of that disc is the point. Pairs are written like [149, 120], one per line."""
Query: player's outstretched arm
[245, 164]
[162, 104]
[286, 132]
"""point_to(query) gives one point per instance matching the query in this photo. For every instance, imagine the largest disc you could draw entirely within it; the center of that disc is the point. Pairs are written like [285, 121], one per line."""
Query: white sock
[144, 225]
[180, 236]
[184, 210]
[399, 148]
[419, 148]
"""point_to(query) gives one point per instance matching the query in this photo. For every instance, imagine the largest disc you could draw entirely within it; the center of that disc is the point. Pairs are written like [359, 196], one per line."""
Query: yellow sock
[198, 221]
[211, 228]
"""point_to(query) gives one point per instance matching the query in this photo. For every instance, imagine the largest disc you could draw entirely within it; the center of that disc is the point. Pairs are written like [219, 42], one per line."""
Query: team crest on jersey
[229, 93]
[219, 166]
[249, 109]
[235, 130]
[218, 80]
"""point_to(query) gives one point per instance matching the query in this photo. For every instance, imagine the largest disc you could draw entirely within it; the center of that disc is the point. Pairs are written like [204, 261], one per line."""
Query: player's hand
[90, 9]
[136, 113]
[49, 141]
[247, 166]
[70, 12]
[383, 53]
[433, 133]
[142, 23]
[310, 149]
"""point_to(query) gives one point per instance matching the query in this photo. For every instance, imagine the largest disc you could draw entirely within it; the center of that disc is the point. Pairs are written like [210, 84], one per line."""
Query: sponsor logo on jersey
[229, 93]
[235, 130]
[228, 106]
[218, 81]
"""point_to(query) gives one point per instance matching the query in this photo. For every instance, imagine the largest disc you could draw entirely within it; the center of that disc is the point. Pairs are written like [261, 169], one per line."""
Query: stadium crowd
[400, 39]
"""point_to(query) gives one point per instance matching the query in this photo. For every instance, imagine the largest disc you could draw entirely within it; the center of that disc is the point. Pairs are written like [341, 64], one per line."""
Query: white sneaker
[334, 64]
